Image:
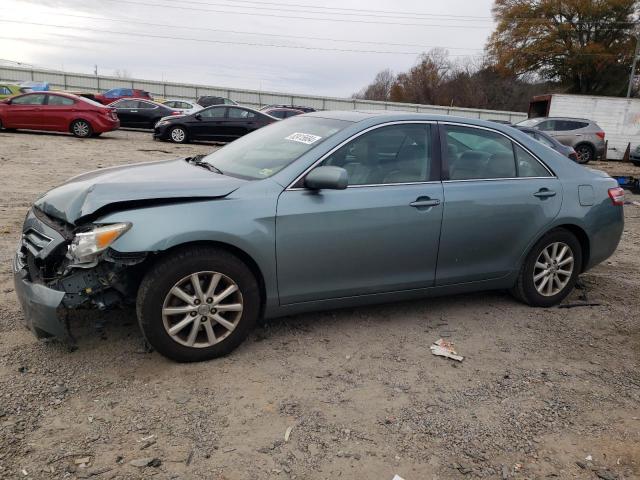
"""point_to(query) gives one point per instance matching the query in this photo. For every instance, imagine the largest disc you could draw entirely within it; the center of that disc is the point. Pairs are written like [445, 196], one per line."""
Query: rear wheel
[178, 135]
[585, 152]
[550, 270]
[81, 129]
[198, 304]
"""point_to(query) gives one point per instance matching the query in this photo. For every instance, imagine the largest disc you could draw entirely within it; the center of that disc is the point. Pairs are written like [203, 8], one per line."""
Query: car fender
[244, 220]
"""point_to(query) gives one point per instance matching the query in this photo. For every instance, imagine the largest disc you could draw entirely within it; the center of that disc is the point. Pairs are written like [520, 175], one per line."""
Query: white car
[185, 106]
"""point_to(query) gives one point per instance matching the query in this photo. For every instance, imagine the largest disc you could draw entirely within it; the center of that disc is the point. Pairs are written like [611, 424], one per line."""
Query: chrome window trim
[551, 173]
[497, 179]
[353, 137]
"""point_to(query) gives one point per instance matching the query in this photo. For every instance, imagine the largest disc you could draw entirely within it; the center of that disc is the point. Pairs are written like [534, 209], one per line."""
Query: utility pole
[633, 68]
[95, 70]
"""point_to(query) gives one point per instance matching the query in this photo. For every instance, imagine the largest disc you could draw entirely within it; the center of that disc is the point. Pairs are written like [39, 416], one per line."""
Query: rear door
[26, 112]
[240, 121]
[126, 109]
[498, 197]
[57, 111]
[146, 115]
[568, 132]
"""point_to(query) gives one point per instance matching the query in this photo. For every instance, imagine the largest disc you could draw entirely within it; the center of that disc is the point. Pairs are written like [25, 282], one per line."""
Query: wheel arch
[233, 249]
[581, 236]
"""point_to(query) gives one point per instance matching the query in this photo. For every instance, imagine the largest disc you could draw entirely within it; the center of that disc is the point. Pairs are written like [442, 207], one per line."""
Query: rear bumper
[42, 306]
[102, 125]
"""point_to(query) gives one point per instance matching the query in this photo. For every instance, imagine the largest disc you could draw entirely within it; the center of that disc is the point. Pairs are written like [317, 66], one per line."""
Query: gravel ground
[541, 393]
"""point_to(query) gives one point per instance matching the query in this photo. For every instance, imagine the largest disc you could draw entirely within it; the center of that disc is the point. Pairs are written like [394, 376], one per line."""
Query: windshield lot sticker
[305, 138]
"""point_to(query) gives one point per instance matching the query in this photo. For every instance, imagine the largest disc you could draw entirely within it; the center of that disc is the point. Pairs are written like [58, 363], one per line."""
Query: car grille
[35, 241]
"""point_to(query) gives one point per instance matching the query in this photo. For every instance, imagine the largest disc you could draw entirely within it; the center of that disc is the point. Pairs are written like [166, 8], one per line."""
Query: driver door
[380, 234]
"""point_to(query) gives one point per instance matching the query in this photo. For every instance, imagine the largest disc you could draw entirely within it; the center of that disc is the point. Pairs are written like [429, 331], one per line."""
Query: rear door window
[126, 104]
[57, 100]
[475, 153]
[547, 126]
[528, 165]
[145, 105]
[237, 113]
[37, 99]
[568, 125]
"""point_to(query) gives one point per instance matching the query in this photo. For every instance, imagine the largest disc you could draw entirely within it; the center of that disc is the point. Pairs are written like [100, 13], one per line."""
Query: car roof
[285, 109]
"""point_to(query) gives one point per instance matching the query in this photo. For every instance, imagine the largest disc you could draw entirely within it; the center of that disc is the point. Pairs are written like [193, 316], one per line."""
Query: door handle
[424, 202]
[134, 111]
[544, 193]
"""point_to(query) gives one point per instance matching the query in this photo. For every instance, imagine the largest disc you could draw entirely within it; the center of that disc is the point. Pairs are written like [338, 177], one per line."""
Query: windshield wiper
[197, 161]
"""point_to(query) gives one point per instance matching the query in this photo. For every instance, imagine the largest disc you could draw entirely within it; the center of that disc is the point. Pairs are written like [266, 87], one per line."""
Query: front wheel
[198, 304]
[81, 129]
[550, 270]
[585, 153]
[178, 135]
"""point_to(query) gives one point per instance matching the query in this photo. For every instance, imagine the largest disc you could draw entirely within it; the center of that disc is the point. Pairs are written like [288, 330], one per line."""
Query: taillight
[616, 195]
[573, 156]
[176, 113]
[600, 134]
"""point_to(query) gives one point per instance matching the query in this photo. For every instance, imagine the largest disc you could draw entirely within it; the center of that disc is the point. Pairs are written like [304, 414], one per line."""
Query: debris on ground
[444, 348]
[287, 434]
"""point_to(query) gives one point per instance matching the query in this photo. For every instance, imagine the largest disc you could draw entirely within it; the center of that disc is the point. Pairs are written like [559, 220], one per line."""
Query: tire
[585, 152]
[178, 135]
[527, 289]
[81, 129]
[156, 298]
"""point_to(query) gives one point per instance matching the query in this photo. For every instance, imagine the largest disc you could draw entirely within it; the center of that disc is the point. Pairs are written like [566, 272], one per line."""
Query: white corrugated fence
[253, 98]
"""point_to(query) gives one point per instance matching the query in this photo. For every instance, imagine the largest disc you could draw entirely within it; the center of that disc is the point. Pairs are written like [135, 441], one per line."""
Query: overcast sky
[131, 35]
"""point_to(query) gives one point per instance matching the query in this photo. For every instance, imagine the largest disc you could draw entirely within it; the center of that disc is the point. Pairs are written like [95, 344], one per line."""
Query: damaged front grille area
[35, 241]
[44, 251]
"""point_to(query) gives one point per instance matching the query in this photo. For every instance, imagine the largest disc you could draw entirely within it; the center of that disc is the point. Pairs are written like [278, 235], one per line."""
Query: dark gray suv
[585, 136]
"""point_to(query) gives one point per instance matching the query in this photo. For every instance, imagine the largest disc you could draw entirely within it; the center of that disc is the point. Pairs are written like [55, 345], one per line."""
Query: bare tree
[380, 88]
[122, 73]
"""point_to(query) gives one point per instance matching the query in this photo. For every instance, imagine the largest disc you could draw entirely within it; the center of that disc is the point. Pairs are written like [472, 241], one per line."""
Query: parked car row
[222, 119]
[176, 120]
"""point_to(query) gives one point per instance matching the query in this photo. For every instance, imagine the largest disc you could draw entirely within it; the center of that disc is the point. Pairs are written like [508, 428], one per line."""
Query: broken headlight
[85, 246]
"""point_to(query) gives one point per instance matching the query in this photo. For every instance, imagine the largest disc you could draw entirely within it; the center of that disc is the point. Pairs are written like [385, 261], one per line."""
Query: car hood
[130, 186]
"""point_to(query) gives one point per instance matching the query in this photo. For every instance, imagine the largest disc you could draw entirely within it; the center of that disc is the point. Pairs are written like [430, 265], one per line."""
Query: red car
[57, 112]
[114, 94]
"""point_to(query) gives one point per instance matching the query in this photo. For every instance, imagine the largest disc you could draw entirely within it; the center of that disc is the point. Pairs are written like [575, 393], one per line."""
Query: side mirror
[327, 177]
[198, 116]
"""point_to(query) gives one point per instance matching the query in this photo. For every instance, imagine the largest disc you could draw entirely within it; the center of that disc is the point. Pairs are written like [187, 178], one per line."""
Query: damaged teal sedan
[319, 211]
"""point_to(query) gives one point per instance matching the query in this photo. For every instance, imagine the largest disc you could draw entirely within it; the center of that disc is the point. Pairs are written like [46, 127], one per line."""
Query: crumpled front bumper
[42, 306]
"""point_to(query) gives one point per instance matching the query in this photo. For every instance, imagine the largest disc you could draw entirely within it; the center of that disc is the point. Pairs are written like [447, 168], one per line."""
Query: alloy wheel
[178, 135]
[584, 153]
[553, 269]
[202, 309]
[81, 129]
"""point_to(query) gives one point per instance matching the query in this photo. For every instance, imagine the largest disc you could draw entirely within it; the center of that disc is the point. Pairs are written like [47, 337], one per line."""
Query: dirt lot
[539, 392]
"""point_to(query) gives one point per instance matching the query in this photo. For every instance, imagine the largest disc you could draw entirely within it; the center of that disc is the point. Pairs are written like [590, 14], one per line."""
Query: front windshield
[530, 122]
[265, 152]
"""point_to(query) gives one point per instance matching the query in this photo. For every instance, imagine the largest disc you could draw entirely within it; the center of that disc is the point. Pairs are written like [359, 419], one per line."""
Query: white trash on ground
[443, 348]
